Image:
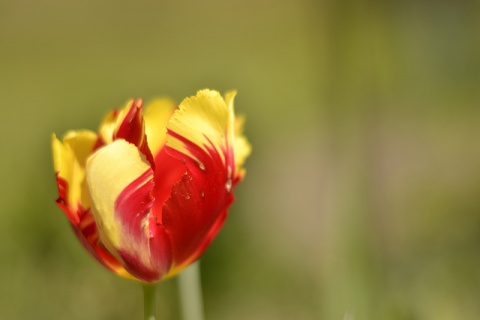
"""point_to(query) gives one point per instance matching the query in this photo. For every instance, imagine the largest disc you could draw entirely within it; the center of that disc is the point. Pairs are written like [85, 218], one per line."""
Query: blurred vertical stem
[190, 289]
[149, 302]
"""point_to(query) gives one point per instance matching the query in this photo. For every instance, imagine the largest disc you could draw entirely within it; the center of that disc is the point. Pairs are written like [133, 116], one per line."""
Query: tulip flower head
[148, 192]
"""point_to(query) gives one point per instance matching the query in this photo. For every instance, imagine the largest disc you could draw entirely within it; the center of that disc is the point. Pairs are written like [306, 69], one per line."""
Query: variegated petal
[120, 181]
[198, 136]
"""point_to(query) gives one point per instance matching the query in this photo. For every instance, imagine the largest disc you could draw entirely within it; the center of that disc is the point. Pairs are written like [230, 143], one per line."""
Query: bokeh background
[362, 195]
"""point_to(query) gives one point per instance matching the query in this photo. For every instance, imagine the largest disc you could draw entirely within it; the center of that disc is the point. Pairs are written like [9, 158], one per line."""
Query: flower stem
[191, 292]
[149, 302]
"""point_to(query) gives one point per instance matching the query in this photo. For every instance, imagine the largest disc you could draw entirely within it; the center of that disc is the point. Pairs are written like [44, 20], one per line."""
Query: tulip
[148, 192]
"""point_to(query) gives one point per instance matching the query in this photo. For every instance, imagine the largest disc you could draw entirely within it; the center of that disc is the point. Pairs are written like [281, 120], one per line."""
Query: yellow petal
[241, 146]
[157, 114]
[109, 171]
[69, 158]
[107, 127]
[199, 119]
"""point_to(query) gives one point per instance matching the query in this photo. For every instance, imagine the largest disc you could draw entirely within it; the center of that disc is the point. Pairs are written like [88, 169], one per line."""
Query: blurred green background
[362, 195]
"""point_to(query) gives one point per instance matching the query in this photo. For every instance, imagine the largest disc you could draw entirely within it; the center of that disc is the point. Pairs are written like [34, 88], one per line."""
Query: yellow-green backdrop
[362, 195]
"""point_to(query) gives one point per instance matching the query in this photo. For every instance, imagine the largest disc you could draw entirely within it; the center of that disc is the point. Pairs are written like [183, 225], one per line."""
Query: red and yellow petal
[131, 127]
[202, 120]
[121, 200]
[128, 124]
[69, 158]
[241, 147]
[87, 233]
[198, 136]
[157, 114]
[107, 128]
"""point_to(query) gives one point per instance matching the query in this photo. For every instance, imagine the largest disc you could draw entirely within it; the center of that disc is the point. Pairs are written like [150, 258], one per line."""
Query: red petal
[212, 233]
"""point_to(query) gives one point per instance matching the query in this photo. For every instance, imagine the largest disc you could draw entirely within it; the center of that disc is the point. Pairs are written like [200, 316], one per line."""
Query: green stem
[149, 302]
[190, 288]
